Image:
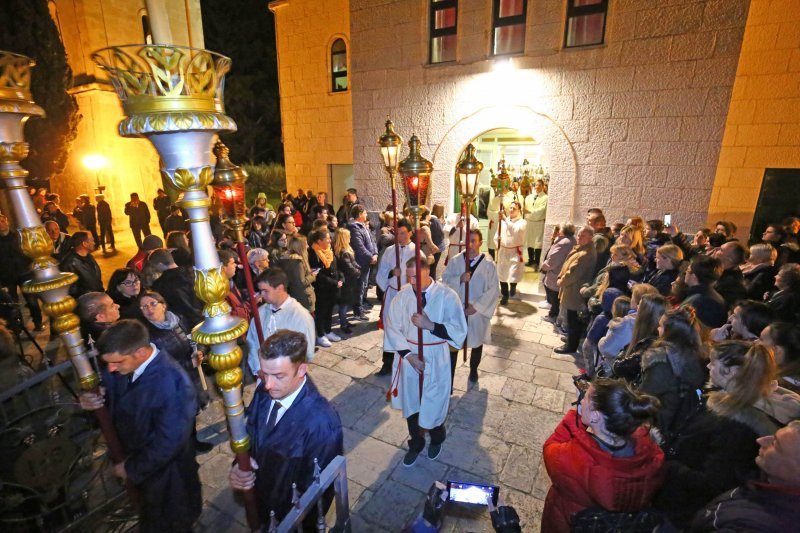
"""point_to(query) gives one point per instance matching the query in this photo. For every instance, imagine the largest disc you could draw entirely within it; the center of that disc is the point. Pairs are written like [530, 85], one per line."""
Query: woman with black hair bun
[601, 455]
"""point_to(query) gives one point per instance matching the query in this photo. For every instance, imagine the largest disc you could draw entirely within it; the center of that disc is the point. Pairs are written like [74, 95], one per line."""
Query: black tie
[273, 415]
[424, 300]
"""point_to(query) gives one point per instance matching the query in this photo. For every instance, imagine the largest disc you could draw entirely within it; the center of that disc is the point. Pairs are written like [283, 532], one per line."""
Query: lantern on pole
[173, 96]
[391, 144]
[416, 173]
[228, 184]
[501, 186]
[468, 170]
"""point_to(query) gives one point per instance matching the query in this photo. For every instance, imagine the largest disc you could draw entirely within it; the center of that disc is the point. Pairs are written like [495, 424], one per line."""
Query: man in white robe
[492, 213]
[280, 312]
[390, 278]
[443, 325]
[510, 264]
[483, 293]
[456, 234]
[535, 213]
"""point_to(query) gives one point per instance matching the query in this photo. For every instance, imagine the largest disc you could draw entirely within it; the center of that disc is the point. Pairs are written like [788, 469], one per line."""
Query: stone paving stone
[528, 336]
[496, 351]
[387, 424]
[521, 468]
[214, 472]
[519, 391]
[541, 482]
[355, 369]
[475, 452]
[556, 364]
[327, 359]
[477, 410]
[328, 382]
[369, 461]
[546, 377]
[565, 383]
[423, 474]
[550, 399]
[551, 340]
[529, 426]
[392, 507]
[356, 400]
[528, 508]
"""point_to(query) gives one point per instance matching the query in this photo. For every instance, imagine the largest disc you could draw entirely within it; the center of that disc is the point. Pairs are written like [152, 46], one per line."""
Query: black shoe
[367, 306]
[529, 264]
[564, 350]
[410, 458]
[473, 376]
[563, 339]
[384, 371]
[362, 318]
[346, 329]
[550, 319]
[434, 450]
[504, 300]
[201, 447]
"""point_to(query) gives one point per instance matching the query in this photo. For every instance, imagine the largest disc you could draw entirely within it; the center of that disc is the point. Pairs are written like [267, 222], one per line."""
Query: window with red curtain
[443, 29]
[586, 23]
[508, 26]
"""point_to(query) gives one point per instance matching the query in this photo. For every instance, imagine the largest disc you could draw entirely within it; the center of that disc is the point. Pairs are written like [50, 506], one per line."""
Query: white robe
[455, 242]
[492, 213]
[389, 285]
[483, 294]
[292, 316]
[535, 213]
[442, 307]
[510, 265]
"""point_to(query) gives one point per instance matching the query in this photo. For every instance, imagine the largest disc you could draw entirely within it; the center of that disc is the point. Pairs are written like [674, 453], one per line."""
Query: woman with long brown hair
[346, 262]
[628, 366]
[301, 279]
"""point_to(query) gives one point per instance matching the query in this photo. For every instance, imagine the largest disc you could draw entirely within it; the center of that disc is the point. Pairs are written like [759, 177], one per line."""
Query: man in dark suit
[153, 405]
[366, 252]
[290, 424]
[80, 261]
[139, 216]
[104, 219]
[176, 286]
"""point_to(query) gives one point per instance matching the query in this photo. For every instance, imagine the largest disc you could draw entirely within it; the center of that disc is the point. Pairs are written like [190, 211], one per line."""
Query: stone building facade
[633, 125]
[132, 164]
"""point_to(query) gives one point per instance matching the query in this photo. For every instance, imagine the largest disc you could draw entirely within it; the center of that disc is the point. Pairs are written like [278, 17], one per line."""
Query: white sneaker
[543, 305]
[324, 342]
[333, 337]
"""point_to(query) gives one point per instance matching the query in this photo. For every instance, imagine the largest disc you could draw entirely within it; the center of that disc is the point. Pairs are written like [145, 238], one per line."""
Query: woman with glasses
[601, 455]
[170, 334]
[124, 288]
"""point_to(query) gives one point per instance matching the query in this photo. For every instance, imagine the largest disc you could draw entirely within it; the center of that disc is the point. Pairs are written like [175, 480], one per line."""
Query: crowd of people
[687, 347]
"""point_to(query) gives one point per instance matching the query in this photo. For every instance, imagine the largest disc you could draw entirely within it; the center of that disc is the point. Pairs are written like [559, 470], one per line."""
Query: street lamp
[391, 143]
[96, 163]
[468, 170]
[416, 173]
[228, 185]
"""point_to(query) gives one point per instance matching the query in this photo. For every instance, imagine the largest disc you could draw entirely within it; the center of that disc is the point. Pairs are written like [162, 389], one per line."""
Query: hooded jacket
[584, 475]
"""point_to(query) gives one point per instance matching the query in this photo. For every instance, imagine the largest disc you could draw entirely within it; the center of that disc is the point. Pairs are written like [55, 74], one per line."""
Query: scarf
[325, 255]
[171, 321]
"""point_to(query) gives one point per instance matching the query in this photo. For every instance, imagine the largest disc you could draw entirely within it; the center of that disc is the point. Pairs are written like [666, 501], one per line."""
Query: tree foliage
[27, 28]
[269, 178]
[246, 34]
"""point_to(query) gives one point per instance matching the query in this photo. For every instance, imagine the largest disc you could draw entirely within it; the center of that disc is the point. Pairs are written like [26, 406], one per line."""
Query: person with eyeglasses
[124, 287]
[170, 333]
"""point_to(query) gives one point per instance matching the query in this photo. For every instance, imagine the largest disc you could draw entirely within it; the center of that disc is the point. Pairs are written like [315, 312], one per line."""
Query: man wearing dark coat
[80, 261]
[161, 204]
[104, 220]
[366, 252]
[176, 287]
[152, 403]
[290, 424]
[89, 218]
[139, 216]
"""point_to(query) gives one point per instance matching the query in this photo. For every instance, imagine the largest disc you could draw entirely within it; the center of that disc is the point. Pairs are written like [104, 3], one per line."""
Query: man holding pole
[153, 405]
[442, 323]
[484, 291]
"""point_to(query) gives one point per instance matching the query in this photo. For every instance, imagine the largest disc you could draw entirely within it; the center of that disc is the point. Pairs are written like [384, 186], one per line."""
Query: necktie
[273, 415]
[272, 327]
[424, 300]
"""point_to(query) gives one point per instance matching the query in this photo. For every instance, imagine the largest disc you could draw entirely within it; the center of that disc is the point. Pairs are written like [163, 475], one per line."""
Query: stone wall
[763, 126]
[317, 124]
[633, 126]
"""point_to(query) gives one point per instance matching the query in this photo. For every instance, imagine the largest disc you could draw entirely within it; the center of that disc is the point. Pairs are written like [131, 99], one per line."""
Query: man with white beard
[442, 323]
[483, 293]
[390, 279]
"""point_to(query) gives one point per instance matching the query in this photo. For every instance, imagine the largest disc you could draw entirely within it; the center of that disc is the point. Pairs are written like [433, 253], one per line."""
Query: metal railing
[335, 475]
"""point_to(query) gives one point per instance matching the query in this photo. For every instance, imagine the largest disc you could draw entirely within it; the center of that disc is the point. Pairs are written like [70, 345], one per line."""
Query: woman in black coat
[348, 266]
[668, 262]
[759, 272]
[124, 288]
[326, 286]
[170, 334]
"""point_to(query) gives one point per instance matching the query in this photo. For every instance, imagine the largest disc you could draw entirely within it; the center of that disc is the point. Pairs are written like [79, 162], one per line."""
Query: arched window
[338, 66]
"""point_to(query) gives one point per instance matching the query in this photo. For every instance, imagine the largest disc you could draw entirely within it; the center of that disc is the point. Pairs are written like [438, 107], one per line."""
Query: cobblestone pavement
[495, 430]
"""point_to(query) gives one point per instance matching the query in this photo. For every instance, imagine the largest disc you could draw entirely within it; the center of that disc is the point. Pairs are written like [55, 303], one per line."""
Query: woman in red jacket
[601, 455]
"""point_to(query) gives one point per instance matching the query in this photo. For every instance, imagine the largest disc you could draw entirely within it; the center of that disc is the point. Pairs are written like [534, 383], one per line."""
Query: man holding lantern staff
[442, 322]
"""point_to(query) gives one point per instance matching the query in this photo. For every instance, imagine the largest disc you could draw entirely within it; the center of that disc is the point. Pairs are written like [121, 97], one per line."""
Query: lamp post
[416, 173]
[96, 163]
[467, 171]
[173, 96]
[391, 143]
[228, 184]
[49, 284]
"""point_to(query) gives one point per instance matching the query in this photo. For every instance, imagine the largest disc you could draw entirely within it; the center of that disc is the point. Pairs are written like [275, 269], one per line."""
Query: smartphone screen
[472, 493]
[667, 219]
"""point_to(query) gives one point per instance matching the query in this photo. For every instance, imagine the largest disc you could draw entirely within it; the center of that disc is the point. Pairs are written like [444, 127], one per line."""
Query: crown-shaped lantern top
[15, 85]
[416, 172]
[167, 88]
[468, 170]
[390, 143]
[502, 181]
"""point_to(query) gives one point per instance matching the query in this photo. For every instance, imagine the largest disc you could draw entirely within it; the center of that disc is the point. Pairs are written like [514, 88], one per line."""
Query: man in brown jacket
[577, 270]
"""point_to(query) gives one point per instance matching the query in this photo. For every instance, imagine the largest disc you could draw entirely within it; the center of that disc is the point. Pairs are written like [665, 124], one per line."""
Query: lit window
[508, 26]
[338, 66]
[444, 15]
[586, 22]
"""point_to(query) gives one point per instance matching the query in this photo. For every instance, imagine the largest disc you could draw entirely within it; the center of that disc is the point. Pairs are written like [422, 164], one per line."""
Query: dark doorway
[779, 198]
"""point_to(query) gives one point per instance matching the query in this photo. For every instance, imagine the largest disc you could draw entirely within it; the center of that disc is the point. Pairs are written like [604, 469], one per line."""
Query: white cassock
[442, 307]
[510, 265]
[290, 315]
[492, 213]
[455, 242]
[535, 213]
[389, 285]
[483, 294]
